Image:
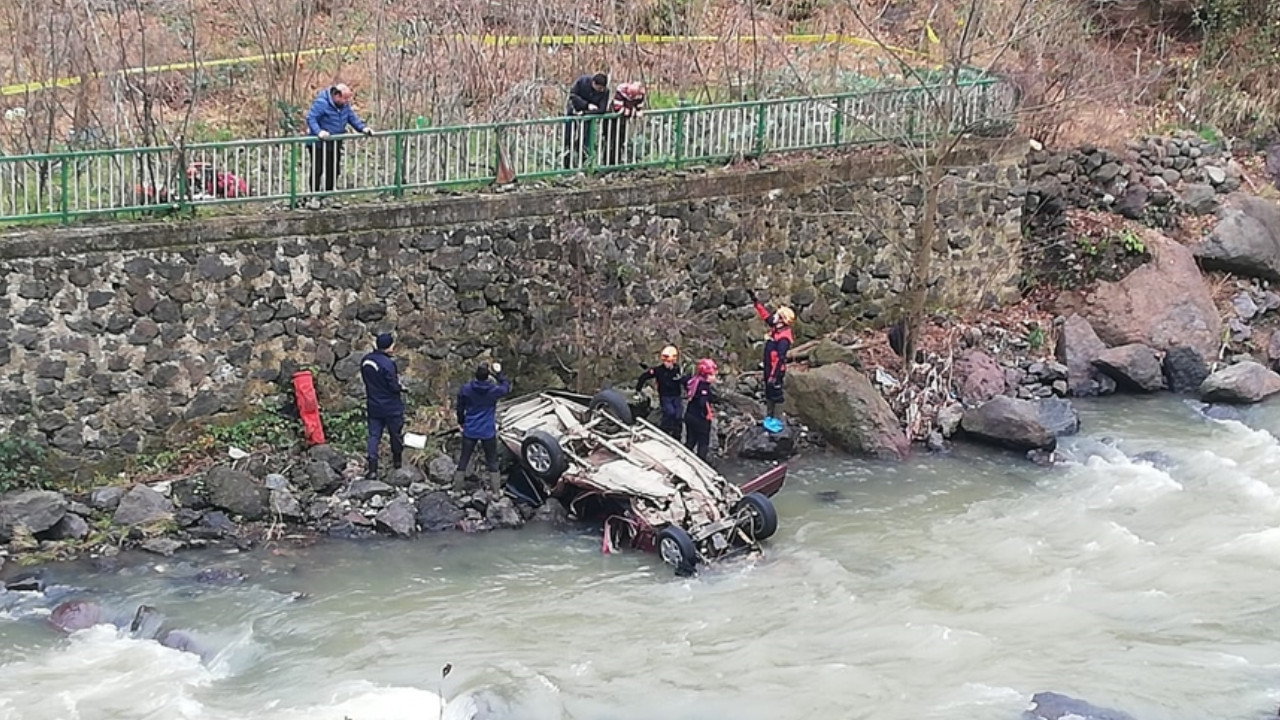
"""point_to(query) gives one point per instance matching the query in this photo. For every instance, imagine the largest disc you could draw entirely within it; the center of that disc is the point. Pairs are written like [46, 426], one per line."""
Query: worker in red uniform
[697, 413]
[776, 346]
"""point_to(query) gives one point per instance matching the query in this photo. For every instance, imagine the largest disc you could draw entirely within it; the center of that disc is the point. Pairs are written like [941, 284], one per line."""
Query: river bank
[1110, 305]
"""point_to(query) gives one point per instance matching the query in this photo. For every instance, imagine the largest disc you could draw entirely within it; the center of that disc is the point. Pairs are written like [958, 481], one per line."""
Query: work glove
[496, 366]
[323, 134]
[368, 131]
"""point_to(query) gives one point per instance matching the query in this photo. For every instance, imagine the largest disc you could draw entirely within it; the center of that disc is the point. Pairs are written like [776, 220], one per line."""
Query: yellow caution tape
[488, 40]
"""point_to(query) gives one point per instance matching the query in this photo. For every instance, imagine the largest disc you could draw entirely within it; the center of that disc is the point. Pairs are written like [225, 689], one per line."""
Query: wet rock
[214, 525]
[398, 518]
[220, 576]
[977, 376]
[30, 581]
[437, 513]
[1052, 706]
[141, 506]
[502, 515]
[364, 490]
[1134, 367]
[321, 476]
[948, 419]
[76, 615]
[1222, 412]
[440, 470]
[1162, 304]
[105, 498]
[845, 408]
[553, 512]
[1245, 382]
[70, 527]
[756, 443]
[1156, 459]
[405, 476]
[36, 510]
[284, 504]
[163, 546]
[1019, 424]
[1246, 239]
[236, 492]
[1184, 370]
[1077, 347]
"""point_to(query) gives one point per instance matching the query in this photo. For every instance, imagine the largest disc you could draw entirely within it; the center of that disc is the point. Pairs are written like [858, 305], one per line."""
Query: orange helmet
[669, 354]
[706, 367]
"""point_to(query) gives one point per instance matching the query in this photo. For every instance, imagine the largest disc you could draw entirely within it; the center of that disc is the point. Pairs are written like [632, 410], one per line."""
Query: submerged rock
[1021, 424]
[1053, 706]
[843, 406]
[756, 443]
[1245, 382]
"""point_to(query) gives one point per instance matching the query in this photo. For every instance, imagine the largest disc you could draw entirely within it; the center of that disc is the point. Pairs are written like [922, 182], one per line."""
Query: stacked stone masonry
[113, 336]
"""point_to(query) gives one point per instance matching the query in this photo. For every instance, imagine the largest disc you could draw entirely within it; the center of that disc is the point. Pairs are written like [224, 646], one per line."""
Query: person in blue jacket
[477, 419]
[330, 115]
[384, 405]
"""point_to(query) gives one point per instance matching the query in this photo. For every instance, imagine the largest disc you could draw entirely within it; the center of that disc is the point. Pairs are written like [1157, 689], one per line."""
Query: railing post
[64, 185]
[761, 126]
[399, 171]
[184, 190]
[590, 136]
[677, 154]
[837, 123]
[293, 173]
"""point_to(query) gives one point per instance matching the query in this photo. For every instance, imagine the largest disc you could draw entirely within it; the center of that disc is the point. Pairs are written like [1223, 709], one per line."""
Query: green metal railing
[70, 185]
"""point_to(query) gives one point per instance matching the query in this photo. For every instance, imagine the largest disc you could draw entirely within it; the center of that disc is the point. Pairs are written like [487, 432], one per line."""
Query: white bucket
[415, 441]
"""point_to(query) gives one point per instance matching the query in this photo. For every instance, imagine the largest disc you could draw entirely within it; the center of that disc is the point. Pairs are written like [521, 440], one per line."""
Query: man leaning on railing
[330, 115]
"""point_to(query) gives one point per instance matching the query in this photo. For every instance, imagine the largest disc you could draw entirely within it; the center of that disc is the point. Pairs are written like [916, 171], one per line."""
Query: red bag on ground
[304, 391]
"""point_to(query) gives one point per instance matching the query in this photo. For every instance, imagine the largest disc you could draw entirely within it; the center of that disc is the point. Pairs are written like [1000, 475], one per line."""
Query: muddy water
[948, 587]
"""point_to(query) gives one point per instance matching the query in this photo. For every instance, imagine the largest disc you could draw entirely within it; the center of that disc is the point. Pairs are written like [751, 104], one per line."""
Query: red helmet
[706, 367]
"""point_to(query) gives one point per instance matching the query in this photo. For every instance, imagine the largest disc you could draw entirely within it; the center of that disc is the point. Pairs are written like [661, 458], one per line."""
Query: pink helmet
[706, 367]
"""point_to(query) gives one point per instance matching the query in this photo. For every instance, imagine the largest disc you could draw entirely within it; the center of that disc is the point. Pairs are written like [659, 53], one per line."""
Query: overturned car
[648, 490]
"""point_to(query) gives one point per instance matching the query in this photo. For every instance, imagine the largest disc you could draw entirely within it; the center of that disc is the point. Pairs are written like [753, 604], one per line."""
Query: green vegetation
[22, 464]
[1035, 337]
[1233, 83]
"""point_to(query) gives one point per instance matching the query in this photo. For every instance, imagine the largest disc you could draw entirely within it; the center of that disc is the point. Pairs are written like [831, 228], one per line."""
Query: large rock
[236, 492]
[1134, 367]
[142, 506]
[440, 470]
[756, 443]
[1184, 370]
[364, 490]
[106, 498]
[1246, 382]
[406, 476]
[503, 515]
[398, 518]
[1077, 347]
[1162, 304]
[841, 404]
[321, 476]
[36, 510]
[437, 513]
[284, 504]
[1020, 424]
[1246, 240]
[329, 455]
[830, 352]
[978, 377]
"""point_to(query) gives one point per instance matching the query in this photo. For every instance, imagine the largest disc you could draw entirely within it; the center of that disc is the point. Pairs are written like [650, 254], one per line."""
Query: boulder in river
[1163, 304]
[1134, 367]
[1077, 347]
[1246, 239]
[756, 443]
[1021, 424]
[845, 408]
[436, 512]
[141, 506]
[1053, 706]
[398, 518]
[1184, 370]
[1245, 382]
[236, 492]
[977, 376]
[36, 510]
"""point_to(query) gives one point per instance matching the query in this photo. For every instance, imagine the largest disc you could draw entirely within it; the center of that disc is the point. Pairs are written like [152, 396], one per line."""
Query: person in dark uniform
[670, 380]
[698, 413]
[384, 405]
[776, 347]
[477, 419]
[588, 96]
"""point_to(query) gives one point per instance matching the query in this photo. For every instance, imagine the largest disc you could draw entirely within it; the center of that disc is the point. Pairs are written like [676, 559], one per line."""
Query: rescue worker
[588, 96]
[698, 413]
[384, 406]
[477, 419]
[776, 347]
[670, 381]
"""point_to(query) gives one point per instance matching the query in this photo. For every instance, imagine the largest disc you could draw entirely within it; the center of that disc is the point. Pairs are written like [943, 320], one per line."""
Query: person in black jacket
[477, 420]
[671, 389]
[698, 413]
[588, 96]
[383, 405]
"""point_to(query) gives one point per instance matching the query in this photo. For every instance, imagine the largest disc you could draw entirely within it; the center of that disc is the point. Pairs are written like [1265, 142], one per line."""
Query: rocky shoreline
[1151, 311]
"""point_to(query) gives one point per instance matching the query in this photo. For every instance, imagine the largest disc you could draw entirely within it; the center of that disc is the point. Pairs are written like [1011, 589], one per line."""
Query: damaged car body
[648, 491]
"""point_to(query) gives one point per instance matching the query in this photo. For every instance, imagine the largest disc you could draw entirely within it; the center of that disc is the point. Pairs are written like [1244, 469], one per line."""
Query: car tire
[543, 456]
[676, 548]
[612, 402]
[763, 516]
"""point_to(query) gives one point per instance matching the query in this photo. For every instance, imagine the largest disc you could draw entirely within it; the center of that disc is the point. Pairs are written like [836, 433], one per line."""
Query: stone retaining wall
[114, 335]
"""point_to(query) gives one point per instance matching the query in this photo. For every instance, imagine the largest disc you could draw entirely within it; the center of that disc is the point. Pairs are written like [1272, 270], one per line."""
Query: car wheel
[612, 402]
[676, 549]
[544, 457]
[757, 509]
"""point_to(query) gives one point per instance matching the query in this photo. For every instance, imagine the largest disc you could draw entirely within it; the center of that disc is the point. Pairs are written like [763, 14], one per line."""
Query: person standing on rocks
[776, 347]
[383, 402]
[671, 381]
[330, 115]
[477, 419]
[698, 413]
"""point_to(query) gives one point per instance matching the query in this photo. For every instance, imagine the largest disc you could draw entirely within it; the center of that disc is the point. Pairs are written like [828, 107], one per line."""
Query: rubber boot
[459, 479]
[396, 462]
[495, 481]
[770, 407]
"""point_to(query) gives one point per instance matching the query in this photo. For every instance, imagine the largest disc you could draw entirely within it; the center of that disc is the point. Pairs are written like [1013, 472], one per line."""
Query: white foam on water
[367, 701]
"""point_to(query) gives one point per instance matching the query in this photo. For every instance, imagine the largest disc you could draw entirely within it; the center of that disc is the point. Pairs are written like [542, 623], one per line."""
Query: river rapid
[945, 587]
